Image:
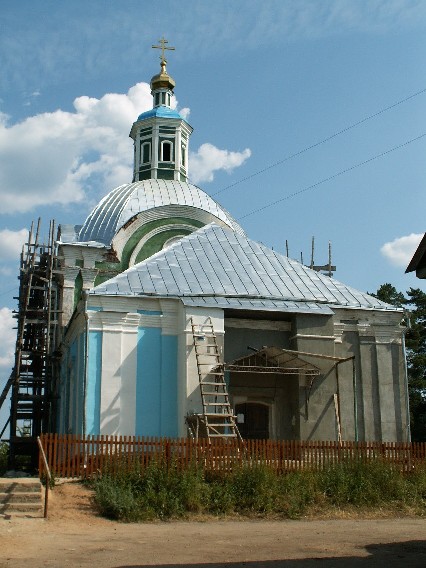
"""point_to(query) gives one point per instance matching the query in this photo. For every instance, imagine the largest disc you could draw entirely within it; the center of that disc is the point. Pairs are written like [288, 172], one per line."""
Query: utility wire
[313, 186]
[287, 158]
[8, 291]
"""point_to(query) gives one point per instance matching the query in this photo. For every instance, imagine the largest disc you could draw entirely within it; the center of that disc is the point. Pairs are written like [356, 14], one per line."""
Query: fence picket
[75, 456]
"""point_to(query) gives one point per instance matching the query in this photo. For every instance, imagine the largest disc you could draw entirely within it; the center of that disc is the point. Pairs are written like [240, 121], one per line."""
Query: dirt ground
[74, 536]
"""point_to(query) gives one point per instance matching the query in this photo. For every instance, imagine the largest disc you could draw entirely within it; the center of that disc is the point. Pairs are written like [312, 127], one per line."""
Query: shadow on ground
[409, 554]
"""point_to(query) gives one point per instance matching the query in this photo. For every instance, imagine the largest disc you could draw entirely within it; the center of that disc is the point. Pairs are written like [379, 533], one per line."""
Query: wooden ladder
[218, 416]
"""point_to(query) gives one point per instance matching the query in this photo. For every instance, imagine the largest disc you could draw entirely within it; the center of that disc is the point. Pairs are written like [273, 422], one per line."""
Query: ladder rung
[215, 393]
[219, 415]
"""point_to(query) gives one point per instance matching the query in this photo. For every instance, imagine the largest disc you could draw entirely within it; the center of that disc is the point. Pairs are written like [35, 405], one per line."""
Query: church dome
[127, 201]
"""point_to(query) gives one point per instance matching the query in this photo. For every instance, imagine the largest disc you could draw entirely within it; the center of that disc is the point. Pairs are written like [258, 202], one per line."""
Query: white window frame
[143, 144]
[183, 156]
[162, 151]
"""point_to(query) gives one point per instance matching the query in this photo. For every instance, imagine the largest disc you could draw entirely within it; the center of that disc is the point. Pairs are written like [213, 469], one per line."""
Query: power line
[313, 186]
[287, 158]
[8, 291]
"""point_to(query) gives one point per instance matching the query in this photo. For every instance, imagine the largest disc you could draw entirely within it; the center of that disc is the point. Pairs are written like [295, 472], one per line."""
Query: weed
[162, 491]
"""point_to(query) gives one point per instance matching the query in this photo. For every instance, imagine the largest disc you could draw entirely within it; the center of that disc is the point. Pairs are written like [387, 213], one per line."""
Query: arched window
[146, 152]
[166, 151]
[157, 99]
[183, 156]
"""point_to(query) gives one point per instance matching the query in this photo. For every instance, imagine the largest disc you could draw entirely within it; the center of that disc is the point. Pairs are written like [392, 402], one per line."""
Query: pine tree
[415, 341]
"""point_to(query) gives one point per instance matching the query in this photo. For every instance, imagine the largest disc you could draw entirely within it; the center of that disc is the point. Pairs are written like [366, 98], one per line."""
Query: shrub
[4, 455]
[366, 484]
[161, 491]
[155, 492]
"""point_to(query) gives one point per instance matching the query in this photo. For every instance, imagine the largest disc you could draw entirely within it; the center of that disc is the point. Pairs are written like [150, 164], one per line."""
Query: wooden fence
[73, 456]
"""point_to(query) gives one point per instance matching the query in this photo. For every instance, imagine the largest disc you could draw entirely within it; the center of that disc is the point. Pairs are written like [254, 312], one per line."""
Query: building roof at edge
[419, 257]
[216, 266]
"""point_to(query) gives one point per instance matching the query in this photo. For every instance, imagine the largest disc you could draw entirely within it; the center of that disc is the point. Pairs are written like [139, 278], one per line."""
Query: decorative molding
[257, 324]
[370, 332]
[70, 273]
[157, 231]
[88, 275]
[312, 336]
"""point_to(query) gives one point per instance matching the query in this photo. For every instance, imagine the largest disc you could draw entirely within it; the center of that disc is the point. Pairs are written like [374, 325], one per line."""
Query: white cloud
[400, 251]
[64, 157]
[185, 112]
[208, 159]
[7, 340]
[11, 243]
[56, 157]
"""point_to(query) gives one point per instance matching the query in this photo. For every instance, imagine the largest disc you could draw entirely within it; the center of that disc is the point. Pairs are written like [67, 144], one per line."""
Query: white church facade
[302, 355]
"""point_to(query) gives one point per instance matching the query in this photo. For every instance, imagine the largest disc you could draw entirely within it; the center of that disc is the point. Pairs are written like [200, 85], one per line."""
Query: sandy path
[74, 537]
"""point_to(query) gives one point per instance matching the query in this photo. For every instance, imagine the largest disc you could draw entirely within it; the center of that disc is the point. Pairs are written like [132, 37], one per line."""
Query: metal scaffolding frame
[33, 377]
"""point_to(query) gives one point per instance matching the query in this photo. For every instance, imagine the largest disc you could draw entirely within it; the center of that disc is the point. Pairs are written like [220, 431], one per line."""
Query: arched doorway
[253, 420]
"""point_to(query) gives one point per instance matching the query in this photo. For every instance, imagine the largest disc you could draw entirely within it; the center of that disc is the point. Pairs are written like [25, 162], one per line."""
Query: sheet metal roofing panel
[126, 201]
[162, 112]
[259, 305]
[218, 264]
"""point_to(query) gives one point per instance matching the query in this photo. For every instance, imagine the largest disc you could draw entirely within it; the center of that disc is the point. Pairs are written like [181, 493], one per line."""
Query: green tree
[415, 341]
[416, 362]
[389, 294]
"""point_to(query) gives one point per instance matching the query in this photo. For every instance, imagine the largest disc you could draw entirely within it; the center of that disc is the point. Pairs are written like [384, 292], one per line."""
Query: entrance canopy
[273, 360]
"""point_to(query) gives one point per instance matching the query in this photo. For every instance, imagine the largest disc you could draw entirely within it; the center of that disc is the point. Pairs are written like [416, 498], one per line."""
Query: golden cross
[163, 48]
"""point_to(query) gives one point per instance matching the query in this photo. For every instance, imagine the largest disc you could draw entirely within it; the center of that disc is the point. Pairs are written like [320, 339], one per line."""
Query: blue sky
[259, 81]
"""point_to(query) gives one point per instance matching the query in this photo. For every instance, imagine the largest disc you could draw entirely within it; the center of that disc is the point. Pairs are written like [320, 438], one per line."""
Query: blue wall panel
[168, 404]
[148, 382]
[80, 381]
[93, 387]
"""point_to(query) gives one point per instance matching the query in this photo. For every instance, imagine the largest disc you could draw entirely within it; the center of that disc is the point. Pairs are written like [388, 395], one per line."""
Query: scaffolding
[33, 378]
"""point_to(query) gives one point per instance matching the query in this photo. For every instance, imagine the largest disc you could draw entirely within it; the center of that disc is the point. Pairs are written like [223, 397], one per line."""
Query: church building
[176, 323]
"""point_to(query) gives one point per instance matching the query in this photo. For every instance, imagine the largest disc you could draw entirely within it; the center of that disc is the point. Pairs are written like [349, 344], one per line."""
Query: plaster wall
[189, 379]
[243, 333]
[131, 368]
[142, 374]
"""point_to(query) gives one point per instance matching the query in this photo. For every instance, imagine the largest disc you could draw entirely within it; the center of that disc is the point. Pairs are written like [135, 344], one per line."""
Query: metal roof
[258, 304]
[126, 201]
[161, 112]
[217, 265]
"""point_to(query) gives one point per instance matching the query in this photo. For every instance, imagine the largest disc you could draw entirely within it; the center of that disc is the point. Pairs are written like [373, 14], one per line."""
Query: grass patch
[160, 492]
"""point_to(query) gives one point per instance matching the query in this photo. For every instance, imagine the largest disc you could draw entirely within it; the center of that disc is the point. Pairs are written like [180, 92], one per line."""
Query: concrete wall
[142, 375]
[376, 409]
[376, 339]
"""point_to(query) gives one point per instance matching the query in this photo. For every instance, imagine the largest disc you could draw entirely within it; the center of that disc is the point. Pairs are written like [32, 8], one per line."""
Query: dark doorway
[253, 420]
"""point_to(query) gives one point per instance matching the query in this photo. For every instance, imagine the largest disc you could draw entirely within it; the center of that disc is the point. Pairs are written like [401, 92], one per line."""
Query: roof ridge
[238, 266]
